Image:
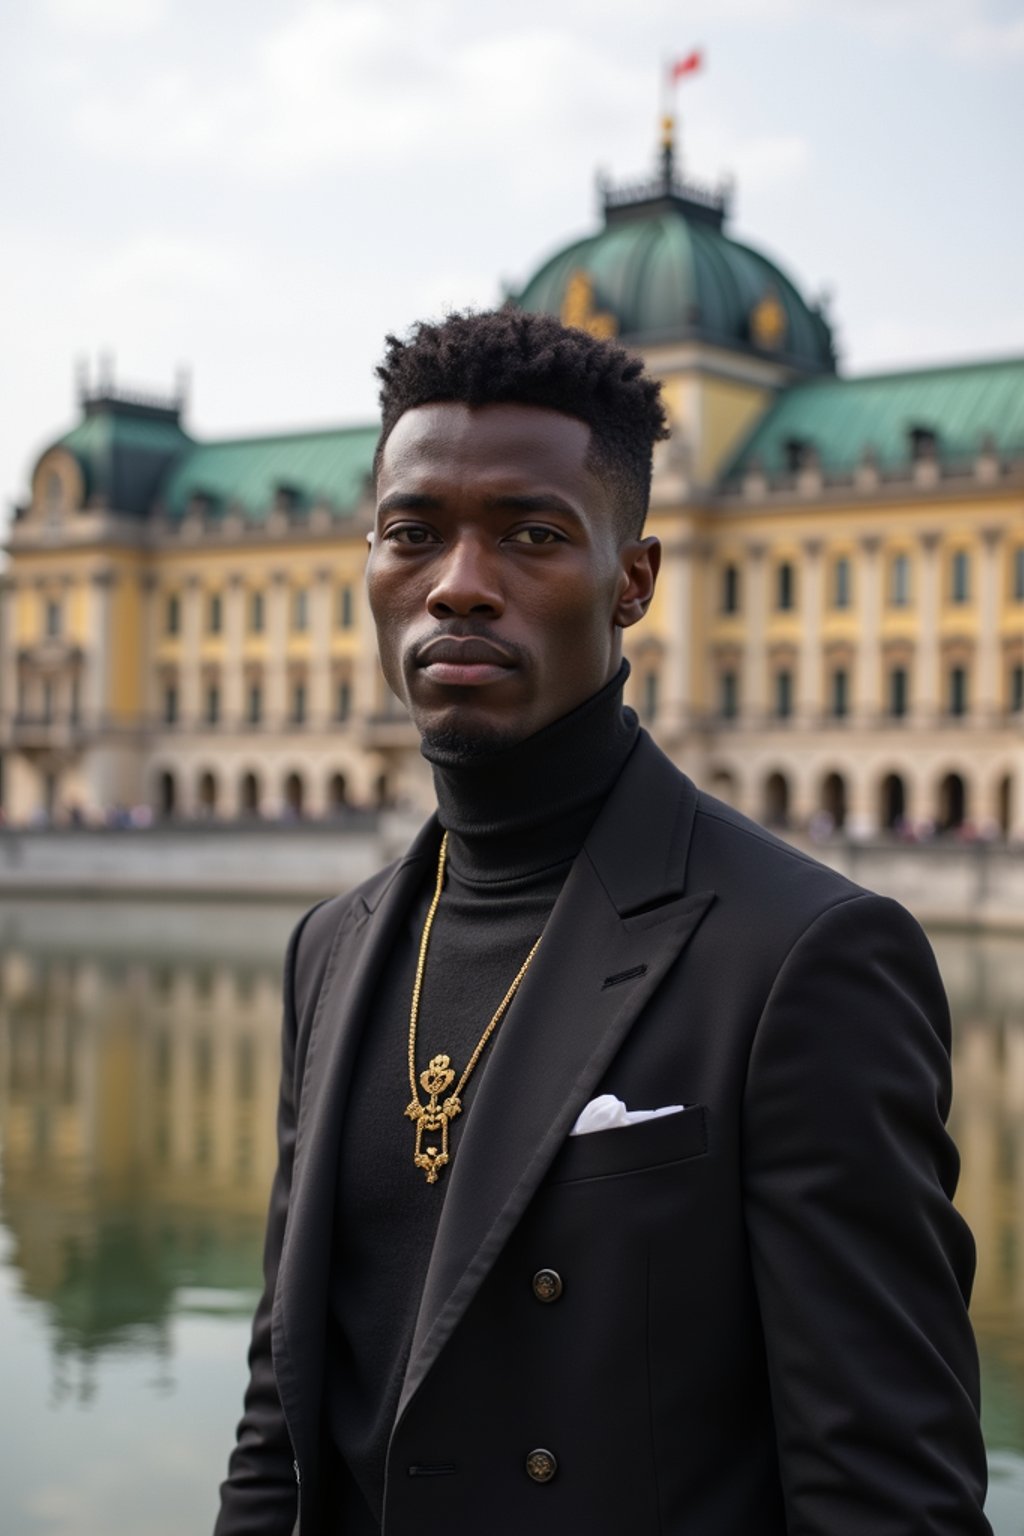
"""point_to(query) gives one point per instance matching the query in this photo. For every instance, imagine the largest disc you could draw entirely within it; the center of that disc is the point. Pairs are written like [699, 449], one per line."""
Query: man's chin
[449, 743]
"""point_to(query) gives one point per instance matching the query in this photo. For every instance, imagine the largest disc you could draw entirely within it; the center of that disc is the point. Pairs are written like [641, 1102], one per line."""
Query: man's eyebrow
[407, 501]
[542, 501]
[511, 501]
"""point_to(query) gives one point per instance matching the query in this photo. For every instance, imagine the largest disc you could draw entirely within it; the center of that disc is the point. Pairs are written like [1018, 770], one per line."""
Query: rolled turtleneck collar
[528, 807]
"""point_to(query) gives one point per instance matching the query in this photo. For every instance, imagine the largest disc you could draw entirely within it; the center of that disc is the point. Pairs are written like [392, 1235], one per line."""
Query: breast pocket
[632, 1148]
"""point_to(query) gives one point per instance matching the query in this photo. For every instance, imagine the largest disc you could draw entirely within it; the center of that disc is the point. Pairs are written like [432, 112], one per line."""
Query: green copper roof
[331, 466]
[668, 276]
[123, 451]
[841, 418]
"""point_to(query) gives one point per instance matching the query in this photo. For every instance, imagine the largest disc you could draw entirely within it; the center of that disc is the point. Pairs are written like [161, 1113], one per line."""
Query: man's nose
[467, 582]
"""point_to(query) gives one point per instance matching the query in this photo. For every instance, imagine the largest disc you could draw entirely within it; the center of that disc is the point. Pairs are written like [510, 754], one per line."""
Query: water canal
[138, 1076]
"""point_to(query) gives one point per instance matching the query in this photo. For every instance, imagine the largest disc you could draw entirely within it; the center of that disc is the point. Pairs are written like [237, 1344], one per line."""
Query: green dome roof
[663, 270]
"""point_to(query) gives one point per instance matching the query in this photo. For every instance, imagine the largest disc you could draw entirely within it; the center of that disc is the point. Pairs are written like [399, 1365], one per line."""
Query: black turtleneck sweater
[515, 822]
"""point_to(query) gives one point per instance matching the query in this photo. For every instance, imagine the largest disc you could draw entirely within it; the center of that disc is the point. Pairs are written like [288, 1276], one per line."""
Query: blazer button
[541, 1466]
[547, 1285]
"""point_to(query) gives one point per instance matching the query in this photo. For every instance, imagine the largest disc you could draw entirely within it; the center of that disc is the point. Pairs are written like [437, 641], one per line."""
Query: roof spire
[668, 151]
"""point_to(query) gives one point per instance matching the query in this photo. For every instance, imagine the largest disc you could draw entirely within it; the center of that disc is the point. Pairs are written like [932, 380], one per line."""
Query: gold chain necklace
[439, 1075]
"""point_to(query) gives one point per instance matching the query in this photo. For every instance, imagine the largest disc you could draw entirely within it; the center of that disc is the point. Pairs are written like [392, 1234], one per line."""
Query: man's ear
[641, 561]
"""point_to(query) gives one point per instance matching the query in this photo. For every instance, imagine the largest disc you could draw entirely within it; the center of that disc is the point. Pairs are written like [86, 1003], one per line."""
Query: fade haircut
[506, 356]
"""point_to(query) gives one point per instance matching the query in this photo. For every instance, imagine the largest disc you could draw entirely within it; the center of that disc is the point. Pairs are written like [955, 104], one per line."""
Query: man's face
[497, 580]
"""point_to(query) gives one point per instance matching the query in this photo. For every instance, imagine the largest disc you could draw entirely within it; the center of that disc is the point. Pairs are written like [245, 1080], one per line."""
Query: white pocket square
[606, 1112]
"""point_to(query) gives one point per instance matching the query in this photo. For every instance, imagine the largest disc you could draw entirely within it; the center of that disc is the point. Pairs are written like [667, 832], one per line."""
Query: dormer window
[798, 452]
[287, 498]
[924, 444]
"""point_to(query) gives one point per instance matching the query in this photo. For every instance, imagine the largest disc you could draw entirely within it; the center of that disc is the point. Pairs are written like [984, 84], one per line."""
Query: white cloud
[117, 17]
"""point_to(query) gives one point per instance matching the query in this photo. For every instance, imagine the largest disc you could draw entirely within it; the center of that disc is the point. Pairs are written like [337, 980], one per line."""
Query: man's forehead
[453, 435]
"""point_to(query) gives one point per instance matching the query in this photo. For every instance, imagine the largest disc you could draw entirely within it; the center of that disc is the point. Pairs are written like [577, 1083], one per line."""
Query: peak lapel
[621, 920]
[359, 950]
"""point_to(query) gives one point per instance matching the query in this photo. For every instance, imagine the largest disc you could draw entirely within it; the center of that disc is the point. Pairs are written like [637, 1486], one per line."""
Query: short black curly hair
[507, 356]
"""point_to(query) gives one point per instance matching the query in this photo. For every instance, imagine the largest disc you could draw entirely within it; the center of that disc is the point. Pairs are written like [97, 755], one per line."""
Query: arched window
[1004, 804]
[166, 794]
[776, 800]
[294, 795]
[249, 795]
[892, 808]
[337, 793]
[952, 803]
[833, 799]
[207, 793]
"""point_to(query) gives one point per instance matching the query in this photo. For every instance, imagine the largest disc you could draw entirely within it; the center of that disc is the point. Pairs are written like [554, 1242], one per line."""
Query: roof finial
[668, 150]
[675, 70]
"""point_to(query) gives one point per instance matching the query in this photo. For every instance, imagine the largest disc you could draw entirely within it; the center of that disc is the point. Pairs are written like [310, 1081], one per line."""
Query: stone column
[277, 647]
[320, 624]
[867, 688]
[190, 683]
[150, 602]
[364, 681]
[987, 689]
[925, 701]
[677, 677]
[8, 651]
[96, 698]
[755, 653]
[809, 683]
[233, 679]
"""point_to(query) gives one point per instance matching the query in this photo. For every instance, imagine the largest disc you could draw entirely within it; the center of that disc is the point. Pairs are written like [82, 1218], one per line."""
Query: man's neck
[527, 807]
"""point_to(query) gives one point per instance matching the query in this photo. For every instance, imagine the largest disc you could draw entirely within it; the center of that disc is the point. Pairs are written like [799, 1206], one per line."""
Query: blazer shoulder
[748, 865]
[323, 926]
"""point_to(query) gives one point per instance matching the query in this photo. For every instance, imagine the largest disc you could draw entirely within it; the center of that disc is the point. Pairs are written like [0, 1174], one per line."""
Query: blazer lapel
[359, 950]
[620, 921]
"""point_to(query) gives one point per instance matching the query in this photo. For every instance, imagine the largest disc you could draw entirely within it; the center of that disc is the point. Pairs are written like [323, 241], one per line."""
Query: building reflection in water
[137, 1105]
[138, 1084]
[985, 980]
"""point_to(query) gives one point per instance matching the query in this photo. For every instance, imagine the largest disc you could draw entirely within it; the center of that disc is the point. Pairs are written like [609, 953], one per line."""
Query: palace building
[838, 634]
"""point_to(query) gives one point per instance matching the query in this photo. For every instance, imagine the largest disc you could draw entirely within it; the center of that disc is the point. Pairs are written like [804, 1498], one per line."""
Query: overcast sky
[258, 191]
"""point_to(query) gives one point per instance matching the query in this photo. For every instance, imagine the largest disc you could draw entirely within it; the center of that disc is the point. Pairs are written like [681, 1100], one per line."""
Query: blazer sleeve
[862, 1266]
[258, 1497]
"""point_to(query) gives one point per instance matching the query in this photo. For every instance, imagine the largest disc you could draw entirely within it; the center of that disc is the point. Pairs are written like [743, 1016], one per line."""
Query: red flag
[687, 66]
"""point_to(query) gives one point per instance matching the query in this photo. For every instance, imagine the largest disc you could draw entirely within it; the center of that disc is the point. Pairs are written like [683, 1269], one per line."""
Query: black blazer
[762, 1326]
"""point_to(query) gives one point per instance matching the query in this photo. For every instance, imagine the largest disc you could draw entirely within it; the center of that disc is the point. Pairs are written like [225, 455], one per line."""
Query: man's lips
[463, 662]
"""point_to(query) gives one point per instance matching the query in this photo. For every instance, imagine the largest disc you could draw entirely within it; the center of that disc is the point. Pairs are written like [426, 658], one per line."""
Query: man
[746, 1314]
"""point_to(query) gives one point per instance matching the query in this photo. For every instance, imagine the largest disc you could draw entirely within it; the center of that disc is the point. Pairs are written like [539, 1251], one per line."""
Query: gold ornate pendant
[433, 1116]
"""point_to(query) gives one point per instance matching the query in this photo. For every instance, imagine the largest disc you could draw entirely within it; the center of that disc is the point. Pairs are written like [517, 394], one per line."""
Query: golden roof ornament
[579, 308]
[768, 322]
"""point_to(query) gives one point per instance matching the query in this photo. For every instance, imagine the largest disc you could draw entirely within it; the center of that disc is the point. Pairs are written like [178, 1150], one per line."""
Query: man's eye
[536, 535]
[408, 533]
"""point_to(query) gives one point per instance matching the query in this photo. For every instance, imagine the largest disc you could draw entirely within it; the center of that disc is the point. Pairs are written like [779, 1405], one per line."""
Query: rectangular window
[170, 704]
[300, 610]
[343, 699]
[47, 701]
[728, 697]
[840, 693]
[649, 708]
[214, 614]
[898, 693]
[172, 615]
[255, 704]
[345, 608]
[1017, 689]
[1018, 574]
[958, 690]
[52, 618]
[299, 704]
[784, 591]
[212, 704]
[256, 613]
[841, 583]
[960, 577]
[730, 589]
[783, 694]
[899, 581]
